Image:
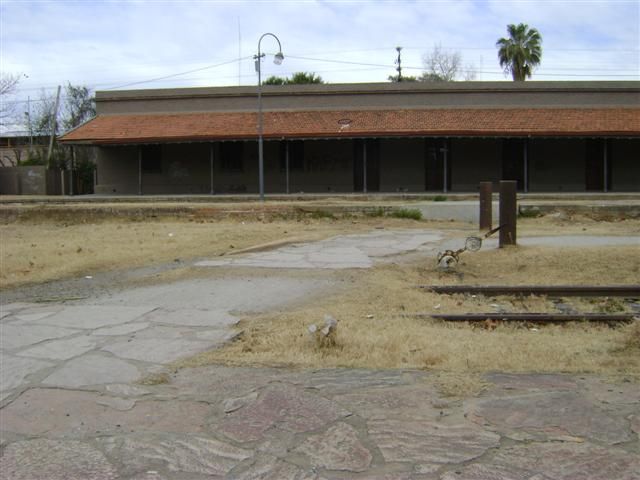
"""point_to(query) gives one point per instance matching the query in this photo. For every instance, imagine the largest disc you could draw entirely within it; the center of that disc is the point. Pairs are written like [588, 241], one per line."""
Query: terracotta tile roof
[178, 127]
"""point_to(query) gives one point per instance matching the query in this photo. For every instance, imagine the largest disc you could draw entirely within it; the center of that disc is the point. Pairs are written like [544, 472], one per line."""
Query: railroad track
[627, 291]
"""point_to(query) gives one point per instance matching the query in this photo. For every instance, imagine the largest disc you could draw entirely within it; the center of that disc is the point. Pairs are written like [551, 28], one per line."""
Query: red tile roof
[180, 127]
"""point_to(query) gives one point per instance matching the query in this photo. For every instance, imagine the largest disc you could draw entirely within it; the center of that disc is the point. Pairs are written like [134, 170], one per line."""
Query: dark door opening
[372, 162]
[513, 161]
[594, 166]
[437, 164]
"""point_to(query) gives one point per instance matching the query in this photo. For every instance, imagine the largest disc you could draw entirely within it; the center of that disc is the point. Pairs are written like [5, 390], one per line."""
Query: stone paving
[72, 407]
[266, 423]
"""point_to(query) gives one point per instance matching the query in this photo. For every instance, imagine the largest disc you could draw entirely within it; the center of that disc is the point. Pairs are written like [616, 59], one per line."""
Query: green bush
[410, 213]
[440, 198]
[377, 212]
[319, 214]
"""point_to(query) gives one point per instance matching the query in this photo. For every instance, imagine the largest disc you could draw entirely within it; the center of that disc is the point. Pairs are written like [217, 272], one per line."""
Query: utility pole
[53, 127]
[30, 126]
[399, 63]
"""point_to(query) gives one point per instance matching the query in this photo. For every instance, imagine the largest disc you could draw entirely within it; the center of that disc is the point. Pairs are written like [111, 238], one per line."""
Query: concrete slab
[95, 316]
[245, 294]
[345, 251]
[93, 369]
[30, 317]
[193, 317]
[15, 370]
[123, 329]
[61, 349]
[157, 350]
[16, 336]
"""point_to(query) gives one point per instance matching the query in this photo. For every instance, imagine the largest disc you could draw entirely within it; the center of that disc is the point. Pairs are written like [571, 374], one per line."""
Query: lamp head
[278, 58]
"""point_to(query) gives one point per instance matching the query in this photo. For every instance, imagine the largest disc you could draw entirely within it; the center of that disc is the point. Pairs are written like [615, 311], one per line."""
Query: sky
[108, 45]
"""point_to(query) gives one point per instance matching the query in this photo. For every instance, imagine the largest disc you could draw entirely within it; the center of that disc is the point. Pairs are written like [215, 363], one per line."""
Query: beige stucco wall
[377, 95]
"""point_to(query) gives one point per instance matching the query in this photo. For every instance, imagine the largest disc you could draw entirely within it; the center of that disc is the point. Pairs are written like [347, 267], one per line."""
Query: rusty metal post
[486, 206]
[508, 212]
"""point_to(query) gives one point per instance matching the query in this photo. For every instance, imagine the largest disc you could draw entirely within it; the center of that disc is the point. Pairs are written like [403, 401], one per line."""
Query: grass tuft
[408, 213]
[321, 214]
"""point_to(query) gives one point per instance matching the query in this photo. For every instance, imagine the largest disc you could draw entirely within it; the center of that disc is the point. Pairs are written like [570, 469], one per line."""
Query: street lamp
[277, 59]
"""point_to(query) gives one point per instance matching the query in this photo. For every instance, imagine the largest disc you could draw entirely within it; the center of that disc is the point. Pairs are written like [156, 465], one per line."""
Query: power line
[180, 73]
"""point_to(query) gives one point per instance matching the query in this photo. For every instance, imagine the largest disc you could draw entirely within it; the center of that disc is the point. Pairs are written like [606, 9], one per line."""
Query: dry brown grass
[375, 332]
[37, 252]
[632, 335]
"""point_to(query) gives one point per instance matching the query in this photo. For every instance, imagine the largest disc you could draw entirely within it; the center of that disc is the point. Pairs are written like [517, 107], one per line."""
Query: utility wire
[180, 73]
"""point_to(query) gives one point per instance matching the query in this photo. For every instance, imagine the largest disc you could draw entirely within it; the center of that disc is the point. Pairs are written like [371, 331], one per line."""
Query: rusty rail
[529, 317]
[629, 291]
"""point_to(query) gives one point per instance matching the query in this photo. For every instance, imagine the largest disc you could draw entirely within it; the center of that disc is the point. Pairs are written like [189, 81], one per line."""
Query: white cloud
[113, 43]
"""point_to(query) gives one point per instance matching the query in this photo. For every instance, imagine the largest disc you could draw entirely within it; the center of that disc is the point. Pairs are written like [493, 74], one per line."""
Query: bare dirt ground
[376, 329]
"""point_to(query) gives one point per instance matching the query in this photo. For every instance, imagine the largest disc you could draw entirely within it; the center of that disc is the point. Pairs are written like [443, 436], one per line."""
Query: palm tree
[521, 52]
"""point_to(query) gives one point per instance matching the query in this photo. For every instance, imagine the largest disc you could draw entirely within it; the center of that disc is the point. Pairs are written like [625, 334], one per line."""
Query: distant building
[391, 137]
[15, 147]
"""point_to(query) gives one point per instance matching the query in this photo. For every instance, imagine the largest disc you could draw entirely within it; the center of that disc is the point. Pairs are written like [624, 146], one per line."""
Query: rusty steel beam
[629, 291]
[530, 317]
[508, 213]
[486, 207]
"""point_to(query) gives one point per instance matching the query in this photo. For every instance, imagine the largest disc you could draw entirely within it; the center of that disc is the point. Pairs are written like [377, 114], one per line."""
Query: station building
[392, 137]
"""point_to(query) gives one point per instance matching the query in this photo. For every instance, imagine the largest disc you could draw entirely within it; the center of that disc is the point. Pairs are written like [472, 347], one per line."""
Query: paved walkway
[71, 407]
[344, 251]
[258, 423]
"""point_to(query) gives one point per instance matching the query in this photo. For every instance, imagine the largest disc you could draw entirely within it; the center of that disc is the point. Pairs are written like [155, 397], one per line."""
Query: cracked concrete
[71, 407]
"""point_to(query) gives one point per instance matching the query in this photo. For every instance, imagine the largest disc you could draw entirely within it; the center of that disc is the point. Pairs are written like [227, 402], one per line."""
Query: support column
[211, 154]
[286, 163]
[508, 212]
[139, 170]
[445, 167]
[486, 207]
[525, 176]
[364, 166]
[73, 161]
[605, 163]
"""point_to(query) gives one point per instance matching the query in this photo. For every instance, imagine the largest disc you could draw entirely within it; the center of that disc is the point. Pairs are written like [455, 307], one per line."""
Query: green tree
[79, 106]
[521, 52]
[405, 78]
[273, 80]
[298, 78]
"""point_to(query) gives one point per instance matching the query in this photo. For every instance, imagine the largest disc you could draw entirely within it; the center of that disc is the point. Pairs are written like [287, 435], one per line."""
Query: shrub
[318, 214]
[440, 198]
[410, 213]
[377, 212]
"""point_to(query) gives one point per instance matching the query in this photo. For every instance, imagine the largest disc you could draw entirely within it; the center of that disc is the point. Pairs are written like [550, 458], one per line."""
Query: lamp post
[277, 59]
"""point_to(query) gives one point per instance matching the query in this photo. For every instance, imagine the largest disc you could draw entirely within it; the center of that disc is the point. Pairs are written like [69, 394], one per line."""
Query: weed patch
[407, 213]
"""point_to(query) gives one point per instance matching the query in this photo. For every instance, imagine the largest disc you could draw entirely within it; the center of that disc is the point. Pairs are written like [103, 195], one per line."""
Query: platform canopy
[136, 128]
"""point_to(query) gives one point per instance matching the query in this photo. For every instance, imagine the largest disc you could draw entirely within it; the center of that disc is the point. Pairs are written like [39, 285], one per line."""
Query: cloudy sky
[153, 43]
